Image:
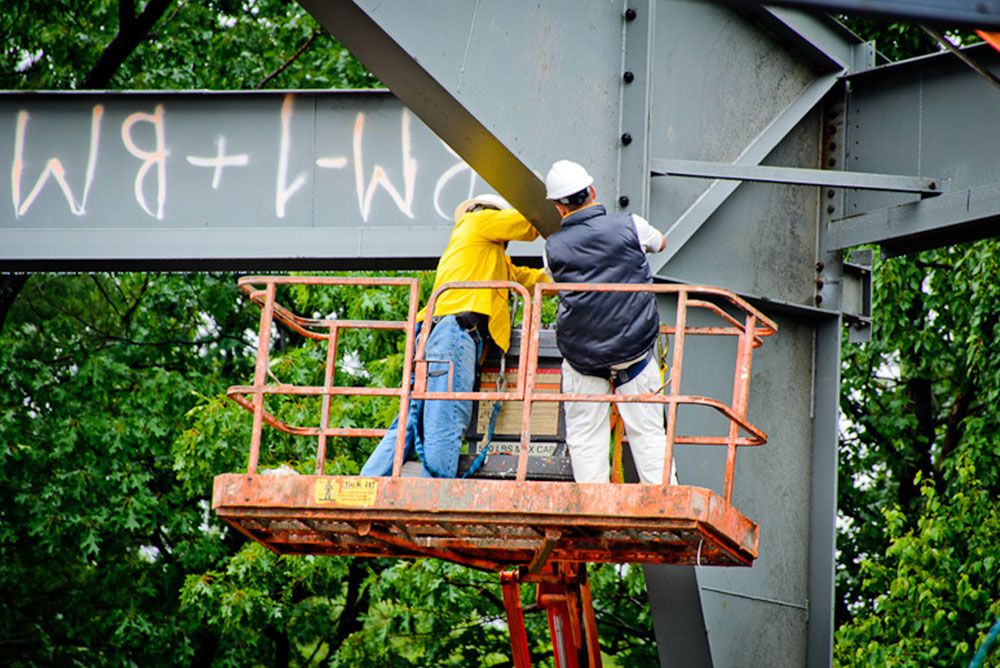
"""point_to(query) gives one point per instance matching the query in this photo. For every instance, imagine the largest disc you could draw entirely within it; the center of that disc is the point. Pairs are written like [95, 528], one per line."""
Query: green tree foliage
[97, 373]
[895, 41]
[917, 580]
[934, 596]
[918, 480]
[175, 44]
[113, 423]
[900, 41]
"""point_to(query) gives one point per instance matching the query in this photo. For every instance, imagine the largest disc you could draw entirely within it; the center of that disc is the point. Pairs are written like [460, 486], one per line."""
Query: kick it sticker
[355, 492]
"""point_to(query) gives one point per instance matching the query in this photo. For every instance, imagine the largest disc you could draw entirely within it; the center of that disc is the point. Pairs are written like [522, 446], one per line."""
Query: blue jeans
[438, 425]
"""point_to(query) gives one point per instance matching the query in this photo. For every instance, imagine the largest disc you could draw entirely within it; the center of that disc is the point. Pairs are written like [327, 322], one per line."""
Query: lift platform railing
[750, 332]
[422, 364]
[262, 291]
[749, 326]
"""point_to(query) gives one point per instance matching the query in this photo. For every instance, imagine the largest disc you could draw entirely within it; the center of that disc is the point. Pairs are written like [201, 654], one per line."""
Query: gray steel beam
[509, 86]
[796, 176]
[924, 116]
[711, 199]
[907, 228]
[336, 179]
[983, 14]
[897, 74]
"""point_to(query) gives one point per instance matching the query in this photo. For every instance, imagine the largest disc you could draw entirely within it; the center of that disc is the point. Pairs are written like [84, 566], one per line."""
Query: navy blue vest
[598, 329]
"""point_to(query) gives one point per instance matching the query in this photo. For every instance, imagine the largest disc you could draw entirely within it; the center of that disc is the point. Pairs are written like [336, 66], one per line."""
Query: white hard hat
[488, 200]
[565, 178]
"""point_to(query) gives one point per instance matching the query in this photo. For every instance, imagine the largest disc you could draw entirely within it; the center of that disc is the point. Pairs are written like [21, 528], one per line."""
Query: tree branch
[118, 287]
[953, 426]
[355, 600]
[919, 390]
[613, 620]
[302, 49]
[130, 34]
[107, 297]
[10, 288]
[135, 303]
[483, 591]
[67, 313]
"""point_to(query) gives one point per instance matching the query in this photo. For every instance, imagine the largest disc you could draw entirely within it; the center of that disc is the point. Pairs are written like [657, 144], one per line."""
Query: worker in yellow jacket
[464, 321]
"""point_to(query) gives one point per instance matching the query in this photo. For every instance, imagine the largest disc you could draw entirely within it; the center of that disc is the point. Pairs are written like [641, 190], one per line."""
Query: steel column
[633, 143]
[823, 502]
[682, 640]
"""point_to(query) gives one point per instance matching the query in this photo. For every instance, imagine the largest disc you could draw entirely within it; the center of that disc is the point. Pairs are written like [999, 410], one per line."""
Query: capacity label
[354, 492]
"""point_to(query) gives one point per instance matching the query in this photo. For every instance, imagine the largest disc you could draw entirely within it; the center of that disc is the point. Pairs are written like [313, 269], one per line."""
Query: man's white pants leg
[588, 426]
[644, 425]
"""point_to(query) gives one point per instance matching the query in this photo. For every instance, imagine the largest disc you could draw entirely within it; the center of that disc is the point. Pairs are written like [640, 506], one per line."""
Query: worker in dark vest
[464, 320]
[606, 338]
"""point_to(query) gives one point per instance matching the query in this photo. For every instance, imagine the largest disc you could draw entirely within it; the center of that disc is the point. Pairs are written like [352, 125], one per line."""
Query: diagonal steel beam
[708, 203]
[983, 14]
[821, 39]
[431, 100]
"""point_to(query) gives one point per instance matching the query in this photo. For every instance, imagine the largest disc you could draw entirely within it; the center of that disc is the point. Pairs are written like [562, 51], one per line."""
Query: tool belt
[620, 376]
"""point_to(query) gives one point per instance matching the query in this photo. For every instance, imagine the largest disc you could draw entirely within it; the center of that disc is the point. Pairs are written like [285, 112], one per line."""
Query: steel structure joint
[829, 266]
[863, 57]
[856, 293]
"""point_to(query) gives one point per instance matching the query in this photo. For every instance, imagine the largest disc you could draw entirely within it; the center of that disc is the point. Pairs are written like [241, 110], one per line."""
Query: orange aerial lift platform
[527, 530]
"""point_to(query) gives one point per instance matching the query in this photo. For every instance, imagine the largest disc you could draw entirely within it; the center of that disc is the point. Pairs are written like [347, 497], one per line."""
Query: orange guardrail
[735, 317]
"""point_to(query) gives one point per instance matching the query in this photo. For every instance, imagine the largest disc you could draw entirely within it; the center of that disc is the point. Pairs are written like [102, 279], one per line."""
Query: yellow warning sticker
[353, 492]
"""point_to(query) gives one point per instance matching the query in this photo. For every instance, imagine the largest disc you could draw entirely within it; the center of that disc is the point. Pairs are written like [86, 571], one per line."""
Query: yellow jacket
[476, 252]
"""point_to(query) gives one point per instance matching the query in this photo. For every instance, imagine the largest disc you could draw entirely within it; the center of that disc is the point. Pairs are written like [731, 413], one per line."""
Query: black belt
[470, 321]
